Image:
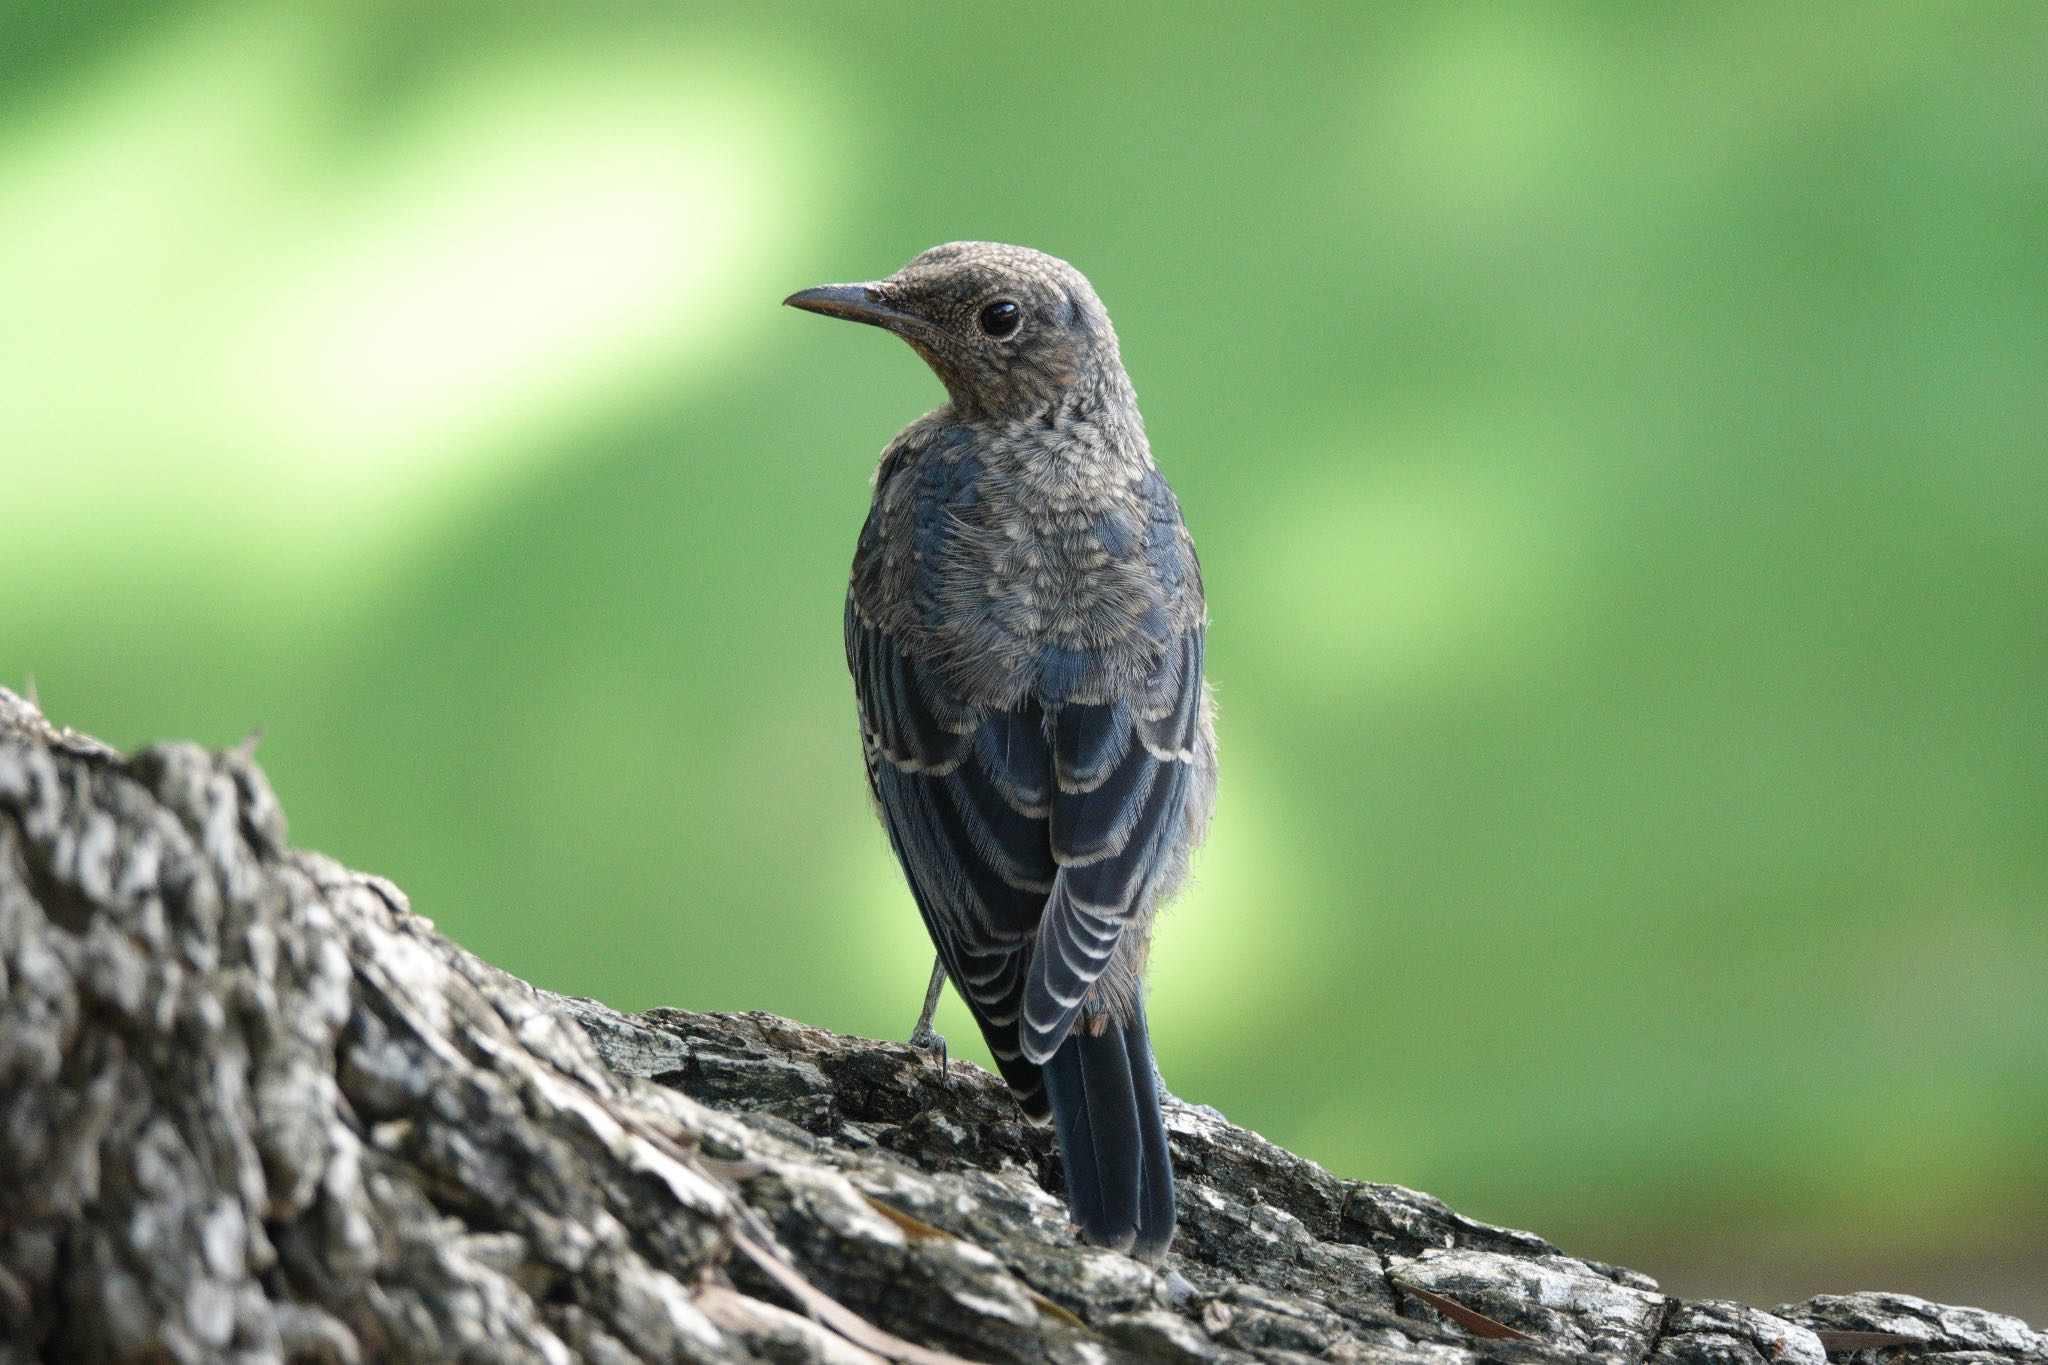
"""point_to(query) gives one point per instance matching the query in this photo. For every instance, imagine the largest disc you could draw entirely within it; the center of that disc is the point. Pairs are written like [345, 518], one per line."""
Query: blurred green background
[1616, 437]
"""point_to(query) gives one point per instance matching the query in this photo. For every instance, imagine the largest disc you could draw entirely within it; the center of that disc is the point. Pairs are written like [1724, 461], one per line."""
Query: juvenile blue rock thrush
[1025, 627]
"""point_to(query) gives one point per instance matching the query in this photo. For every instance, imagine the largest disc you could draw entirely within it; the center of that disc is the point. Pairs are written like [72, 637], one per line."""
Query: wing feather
[1112, 841]
[979, 862]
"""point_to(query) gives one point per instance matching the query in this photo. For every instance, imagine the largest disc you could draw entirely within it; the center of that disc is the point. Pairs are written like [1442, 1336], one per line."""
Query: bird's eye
[1000, 318]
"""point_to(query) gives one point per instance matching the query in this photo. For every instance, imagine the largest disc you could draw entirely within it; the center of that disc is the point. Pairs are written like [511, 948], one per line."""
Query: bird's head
[1009, 331]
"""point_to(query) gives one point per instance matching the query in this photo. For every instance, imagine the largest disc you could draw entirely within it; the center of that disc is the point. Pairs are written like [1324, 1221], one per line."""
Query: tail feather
[1105, 1109]
[1155, 1192]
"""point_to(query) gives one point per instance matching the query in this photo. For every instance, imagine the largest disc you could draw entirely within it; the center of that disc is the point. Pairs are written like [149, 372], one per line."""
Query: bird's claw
[925, 1038]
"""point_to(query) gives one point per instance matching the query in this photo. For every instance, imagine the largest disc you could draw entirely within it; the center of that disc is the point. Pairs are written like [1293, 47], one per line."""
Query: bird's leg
[924, 1036]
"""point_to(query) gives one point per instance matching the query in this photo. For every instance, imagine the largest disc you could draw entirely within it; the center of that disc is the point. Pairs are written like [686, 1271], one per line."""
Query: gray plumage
[1025, 628]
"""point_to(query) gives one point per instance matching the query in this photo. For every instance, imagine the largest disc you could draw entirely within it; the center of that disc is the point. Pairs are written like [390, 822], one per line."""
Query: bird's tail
[1105, 1108]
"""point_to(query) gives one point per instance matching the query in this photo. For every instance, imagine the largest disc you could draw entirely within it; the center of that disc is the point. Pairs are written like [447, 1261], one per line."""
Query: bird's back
[1024, 561]
[1043, 594]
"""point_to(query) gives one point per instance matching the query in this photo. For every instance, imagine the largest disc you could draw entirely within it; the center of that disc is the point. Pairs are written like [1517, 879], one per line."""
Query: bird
[1025, 624]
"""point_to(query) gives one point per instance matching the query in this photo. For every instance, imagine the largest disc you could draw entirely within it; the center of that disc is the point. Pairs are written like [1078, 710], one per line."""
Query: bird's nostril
[873, 295]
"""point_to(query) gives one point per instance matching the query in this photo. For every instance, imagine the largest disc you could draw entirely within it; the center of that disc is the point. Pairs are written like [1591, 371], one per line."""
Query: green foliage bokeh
[1616, 438]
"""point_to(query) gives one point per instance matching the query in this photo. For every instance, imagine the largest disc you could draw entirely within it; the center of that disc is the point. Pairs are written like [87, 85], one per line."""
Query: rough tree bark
[256, 1109]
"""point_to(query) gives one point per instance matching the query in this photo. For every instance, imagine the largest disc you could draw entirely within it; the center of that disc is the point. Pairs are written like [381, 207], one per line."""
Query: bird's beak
[854, 302]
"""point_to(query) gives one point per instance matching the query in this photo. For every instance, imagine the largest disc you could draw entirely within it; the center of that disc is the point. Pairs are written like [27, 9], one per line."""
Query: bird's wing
[1121, 773]
[964, 794]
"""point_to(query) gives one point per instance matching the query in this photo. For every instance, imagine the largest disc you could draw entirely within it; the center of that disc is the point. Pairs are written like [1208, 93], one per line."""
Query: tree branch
[256, 1109]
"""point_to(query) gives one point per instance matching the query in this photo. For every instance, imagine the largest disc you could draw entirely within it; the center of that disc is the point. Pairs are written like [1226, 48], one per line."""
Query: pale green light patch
[1478, 116]
[558, 237]
[870, 883]
[242, 343]
[1235, 939]
[1384, 1136]
[1410, 576]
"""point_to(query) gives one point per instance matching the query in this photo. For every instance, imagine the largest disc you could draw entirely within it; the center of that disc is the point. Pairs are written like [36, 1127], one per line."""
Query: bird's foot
[925, 1038]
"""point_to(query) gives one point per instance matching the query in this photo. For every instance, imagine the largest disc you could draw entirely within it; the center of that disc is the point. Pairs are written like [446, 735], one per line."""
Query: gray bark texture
[253, 1108]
